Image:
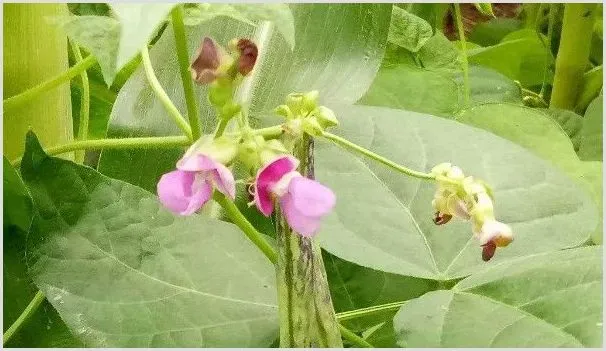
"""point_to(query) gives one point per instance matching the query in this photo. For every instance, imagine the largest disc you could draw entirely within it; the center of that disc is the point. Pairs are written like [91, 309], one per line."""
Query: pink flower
[303, 201]
[187, 189]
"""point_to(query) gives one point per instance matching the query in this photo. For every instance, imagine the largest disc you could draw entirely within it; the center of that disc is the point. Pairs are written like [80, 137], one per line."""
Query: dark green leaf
[547, 300]
[17, 202]
[124, 272]
[570, 122]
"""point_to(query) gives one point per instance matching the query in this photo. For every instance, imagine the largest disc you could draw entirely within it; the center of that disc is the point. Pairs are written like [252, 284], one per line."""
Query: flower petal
[224, 181]
[310, 197]
[307, 226]
[207, 60]
[182, 193]
[495, 231]
[197, 163]
[267, 176]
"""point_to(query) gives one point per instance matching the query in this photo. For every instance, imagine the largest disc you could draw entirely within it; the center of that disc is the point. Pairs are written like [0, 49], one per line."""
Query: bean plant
[302, 175]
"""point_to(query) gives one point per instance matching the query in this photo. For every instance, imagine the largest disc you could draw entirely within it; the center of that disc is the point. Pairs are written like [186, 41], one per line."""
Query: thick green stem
[573, 54]
[126, 143]
[307, 317]
[35, 73]
[161, 94]
[25, 315]
[221, 127]
[239, 220]
[188, 86]
[84, 105]
[465, 64]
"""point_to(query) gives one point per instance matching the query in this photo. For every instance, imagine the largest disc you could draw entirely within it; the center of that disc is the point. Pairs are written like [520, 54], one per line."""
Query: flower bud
[312, 127]
[310, 101]
[222, 149]
[326, 118]
[284, 111]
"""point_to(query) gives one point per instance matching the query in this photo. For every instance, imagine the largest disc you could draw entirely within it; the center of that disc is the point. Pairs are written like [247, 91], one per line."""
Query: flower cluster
[471, 200]
[204, 167]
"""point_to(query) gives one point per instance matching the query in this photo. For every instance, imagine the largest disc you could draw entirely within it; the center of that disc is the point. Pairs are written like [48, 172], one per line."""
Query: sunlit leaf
[124, 272]
[590, 148]
[383, 220]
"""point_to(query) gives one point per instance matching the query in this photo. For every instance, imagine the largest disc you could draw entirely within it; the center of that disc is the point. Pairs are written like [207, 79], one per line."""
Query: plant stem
[465, 64]
[349, 145]
[182, 55]
[355, 339]
[343, 316]
[33, 92]
[239, 220]
[573, 54]
[25, 315]
[552, 18]
[126, 143]
[221, 127]
[84, 105]
[592, 84]
[161, 94]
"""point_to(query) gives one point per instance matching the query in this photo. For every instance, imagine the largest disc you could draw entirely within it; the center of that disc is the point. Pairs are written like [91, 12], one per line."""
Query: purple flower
[187, 189]
[303, 201]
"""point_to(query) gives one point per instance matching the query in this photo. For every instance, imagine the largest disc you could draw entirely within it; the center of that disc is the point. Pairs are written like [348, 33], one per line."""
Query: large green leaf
[534, 130]
[383, 220]
[407, 30]
[493, 31]
[591, 133]
[570, 122]
[547, 300]
[520, 56]
[339, 49]
[123, 271]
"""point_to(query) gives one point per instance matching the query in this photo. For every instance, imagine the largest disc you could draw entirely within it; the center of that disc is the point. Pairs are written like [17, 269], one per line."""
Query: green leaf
[439, 52]
[535, 131]
[407, 30]
[44, 328]
[590, 148]
[279, 14]
[547, 300]
[337, 53]
[383, 220]
[520, 56]
[493, 31]
[570, 122]
[124, 272]
[116, 42]
[382, 335]
[437, 91]
[17, 202]
[433, 13]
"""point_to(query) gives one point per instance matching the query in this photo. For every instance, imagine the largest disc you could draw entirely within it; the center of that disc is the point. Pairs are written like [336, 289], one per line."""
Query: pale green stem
[25, 315]
[126, 143]
[573, 54]
[355, 339]
[161, 94]
[39, 89]
[84, 105]
[349, 145]
[343, 316]
[550, 26]
[221, 127]
[465, 64]
[188, 86]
